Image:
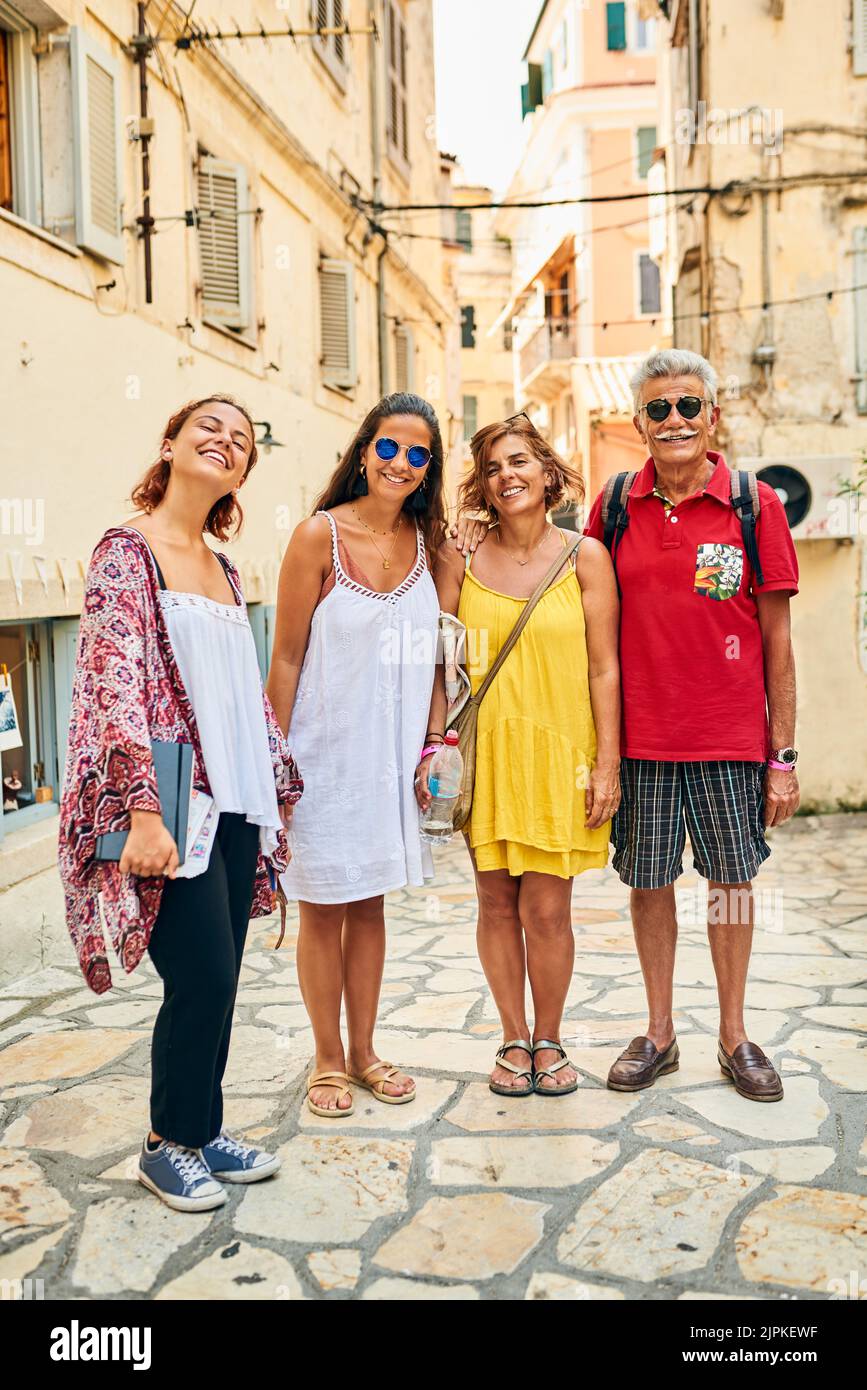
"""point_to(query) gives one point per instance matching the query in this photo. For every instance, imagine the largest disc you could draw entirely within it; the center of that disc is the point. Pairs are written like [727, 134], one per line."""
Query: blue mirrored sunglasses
[417, 456]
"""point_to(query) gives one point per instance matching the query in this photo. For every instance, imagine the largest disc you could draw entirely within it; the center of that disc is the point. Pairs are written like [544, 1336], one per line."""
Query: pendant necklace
[522, 563]
[386, 559]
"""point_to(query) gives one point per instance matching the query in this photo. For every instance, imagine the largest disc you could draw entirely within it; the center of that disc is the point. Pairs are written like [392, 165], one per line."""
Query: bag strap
[566, 554]
[745, 500]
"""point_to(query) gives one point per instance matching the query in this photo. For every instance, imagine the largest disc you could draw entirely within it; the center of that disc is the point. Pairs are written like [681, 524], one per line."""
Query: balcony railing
[555, 341]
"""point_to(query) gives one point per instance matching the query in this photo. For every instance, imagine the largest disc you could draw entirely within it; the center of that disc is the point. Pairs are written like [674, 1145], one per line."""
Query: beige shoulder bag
[466, 719]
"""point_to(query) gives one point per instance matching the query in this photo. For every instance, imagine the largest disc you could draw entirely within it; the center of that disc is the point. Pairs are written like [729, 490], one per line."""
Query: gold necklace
[386, 559]
[522, 563]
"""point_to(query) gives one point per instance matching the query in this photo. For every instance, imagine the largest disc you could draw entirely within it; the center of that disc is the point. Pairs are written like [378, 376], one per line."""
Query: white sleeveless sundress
[356, 731]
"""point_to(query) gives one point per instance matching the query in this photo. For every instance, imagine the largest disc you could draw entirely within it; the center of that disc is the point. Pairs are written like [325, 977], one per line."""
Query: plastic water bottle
[444, 781]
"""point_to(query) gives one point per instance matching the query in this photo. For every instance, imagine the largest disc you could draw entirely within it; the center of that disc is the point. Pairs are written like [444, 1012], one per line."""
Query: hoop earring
[359, 487]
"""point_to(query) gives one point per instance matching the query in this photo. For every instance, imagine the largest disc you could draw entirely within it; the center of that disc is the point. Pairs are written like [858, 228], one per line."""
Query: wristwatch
[783, 758]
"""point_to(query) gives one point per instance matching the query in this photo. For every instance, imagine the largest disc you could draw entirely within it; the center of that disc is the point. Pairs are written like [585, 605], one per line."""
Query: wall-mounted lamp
[267, 442]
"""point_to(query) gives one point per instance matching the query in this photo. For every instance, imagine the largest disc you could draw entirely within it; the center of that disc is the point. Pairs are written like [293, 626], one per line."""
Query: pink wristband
[431, 748]
[782, 767]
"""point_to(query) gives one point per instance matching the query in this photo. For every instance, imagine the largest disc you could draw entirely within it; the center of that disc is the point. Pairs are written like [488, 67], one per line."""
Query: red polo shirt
[692, 666]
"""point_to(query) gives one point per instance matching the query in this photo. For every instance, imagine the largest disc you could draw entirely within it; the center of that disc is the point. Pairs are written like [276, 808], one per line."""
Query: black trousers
[197, 944]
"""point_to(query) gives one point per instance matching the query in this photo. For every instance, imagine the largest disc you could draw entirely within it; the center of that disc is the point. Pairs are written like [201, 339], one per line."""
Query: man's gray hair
[674, 362]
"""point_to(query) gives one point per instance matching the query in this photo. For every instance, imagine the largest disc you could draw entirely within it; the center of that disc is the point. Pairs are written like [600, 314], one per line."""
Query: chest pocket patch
[719, 570]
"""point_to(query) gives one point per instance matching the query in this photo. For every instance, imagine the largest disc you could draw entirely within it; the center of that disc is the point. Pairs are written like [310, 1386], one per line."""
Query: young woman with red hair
[166, 654]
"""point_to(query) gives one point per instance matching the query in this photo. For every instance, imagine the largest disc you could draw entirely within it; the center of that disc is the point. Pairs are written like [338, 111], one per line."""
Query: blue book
[173, 764]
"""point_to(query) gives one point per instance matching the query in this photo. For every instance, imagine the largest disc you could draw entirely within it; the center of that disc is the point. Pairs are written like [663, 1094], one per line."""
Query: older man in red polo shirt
[708, 707]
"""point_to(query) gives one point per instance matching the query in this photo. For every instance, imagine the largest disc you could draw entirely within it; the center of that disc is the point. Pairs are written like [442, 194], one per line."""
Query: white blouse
[216, 655]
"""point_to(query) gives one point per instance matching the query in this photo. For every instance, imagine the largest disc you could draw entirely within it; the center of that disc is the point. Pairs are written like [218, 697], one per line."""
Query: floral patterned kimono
[128, 692]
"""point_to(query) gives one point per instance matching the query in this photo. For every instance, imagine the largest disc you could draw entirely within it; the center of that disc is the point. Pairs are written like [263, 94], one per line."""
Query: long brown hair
[226, 516]
[566, 482]
[344, 485]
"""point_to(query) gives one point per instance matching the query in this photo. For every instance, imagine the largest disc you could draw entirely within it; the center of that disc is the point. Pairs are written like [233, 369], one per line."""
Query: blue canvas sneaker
[231, 1161]
[179, 1177]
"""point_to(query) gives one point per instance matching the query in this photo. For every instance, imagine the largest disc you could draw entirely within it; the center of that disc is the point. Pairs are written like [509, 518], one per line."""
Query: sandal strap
[510, 1066]
[516, 1042]
[323, 1080]
[545, 1043]
[555, 1066]
[375, 1066]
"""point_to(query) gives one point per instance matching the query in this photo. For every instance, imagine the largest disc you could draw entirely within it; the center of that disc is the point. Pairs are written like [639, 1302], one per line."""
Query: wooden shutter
[468, 326]
[859, 38]
[224, 242]
[616, 21]
[531, 92]
[859, 272]
[464, 229]
[403, 358]
[649, 276]
[96, 148]
[646, 145]
[547, 74]
[337, 323]
[471, 416]
[397, 120]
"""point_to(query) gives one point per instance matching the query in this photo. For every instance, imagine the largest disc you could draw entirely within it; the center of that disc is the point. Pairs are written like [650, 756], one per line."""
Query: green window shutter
[468, 326]
[531, 92]
[616, 17]
[464, 229]
[646, 146]
[471, 416]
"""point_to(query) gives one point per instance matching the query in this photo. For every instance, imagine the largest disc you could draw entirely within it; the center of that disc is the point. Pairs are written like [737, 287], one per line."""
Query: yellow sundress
[536, 737]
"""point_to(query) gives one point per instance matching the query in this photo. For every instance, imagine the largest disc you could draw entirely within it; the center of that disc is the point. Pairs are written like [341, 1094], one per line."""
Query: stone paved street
[684, 1191]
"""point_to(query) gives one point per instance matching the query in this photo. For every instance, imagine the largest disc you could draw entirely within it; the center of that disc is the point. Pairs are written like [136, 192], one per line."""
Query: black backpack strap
[745, 500]
[615, 514]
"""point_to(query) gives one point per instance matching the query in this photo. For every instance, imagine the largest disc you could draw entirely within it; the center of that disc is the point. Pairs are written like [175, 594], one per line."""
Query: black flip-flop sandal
[540, 1046]
[495, 1086]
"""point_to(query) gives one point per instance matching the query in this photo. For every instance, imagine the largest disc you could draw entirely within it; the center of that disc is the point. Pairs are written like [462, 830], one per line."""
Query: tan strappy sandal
[330, 1078]
[502, 1061]
[376, 1087]
[541, 1046]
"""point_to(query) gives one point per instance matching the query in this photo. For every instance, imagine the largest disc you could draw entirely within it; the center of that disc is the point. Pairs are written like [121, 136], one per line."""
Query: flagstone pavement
[684, 1191]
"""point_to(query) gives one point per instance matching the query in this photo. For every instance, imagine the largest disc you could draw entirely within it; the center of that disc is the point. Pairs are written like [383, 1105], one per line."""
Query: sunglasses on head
[417, 456]
[687, 406]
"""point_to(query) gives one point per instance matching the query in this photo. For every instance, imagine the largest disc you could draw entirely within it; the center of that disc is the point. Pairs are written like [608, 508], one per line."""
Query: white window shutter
[96, 148]
[859, 271]
[403, 358]
[224, 242]
[859, 44]
[337, 319]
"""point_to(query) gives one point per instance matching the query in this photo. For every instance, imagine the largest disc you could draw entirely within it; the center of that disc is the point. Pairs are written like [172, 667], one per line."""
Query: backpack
[744, 499]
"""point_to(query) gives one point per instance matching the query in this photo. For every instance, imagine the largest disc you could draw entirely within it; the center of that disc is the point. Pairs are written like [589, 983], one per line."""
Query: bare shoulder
[310, 544]
[593, 560]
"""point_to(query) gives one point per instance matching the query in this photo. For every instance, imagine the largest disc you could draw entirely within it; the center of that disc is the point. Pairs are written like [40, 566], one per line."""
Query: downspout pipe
[376, 184]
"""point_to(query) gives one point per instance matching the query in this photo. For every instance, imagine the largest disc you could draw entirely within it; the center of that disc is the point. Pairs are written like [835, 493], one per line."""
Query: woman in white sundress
[351, 674]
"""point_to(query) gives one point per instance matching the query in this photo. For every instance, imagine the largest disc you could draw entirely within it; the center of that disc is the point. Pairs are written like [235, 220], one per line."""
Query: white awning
[603, 383]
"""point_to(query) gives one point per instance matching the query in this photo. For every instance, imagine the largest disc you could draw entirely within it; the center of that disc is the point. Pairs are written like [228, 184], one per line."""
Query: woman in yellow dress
[548, 744]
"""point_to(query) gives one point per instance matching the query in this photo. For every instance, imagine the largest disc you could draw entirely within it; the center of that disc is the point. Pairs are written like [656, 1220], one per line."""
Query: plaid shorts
[720, 804]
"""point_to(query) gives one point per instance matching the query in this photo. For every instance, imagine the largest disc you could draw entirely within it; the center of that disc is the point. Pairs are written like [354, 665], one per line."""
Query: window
[20, 161]
[96, 147]
[646, 143]
[644, 40]
[396, 111]
[464, 229]
[471, 416]
[29, 755]
[403, 358]
[859, 38]
[337, 323]
[531, 91]
[468, 326]
[5, 127]
[224, 243]
[508, 336]
[547, 74]
[332, 48]
[562, 43]
[859, 273]
[615, 16]
[648, 275]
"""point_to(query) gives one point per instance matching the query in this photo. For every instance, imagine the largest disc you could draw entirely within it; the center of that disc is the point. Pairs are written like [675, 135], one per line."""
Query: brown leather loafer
[640, 1065]
[753, 1074]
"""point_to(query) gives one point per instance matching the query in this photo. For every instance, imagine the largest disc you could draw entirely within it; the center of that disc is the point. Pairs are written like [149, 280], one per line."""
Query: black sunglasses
[687, 406]
[417, 456]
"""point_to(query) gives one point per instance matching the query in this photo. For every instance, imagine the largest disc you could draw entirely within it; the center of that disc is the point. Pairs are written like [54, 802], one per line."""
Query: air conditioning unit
[811, 488]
